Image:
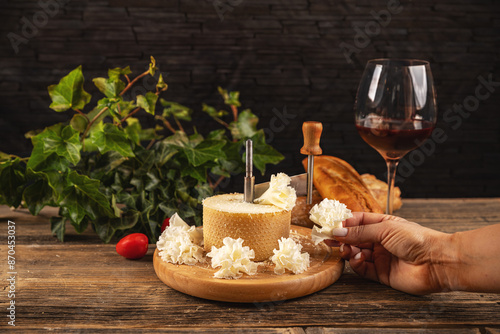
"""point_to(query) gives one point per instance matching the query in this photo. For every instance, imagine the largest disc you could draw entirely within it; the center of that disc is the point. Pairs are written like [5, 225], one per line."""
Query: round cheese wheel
[260, 226]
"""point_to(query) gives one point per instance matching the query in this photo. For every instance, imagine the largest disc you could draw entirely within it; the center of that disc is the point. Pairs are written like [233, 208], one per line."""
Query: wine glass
[395, 110]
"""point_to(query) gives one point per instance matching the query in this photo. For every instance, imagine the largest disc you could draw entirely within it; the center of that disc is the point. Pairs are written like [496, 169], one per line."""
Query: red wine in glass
[393, 138]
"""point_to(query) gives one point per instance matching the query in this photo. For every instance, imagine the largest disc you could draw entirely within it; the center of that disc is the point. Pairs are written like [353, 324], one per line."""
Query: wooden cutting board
[326, 266]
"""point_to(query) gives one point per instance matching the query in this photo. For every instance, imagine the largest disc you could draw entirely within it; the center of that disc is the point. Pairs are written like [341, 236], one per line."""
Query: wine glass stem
[392, 166]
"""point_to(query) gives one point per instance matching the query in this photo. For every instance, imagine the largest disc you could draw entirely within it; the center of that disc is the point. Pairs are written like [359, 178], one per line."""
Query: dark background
[282, 55]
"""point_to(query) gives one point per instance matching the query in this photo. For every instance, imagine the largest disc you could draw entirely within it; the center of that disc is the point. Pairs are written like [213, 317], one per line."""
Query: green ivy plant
[105, 169]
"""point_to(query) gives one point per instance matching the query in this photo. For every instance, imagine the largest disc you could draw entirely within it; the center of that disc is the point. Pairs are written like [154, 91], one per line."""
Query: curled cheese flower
[233, 258]
[329, 214]
[180, 243]
[279, 193]
[288, 256]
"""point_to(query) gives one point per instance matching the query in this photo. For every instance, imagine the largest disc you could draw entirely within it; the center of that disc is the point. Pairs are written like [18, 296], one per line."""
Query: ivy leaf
[147, 102]
[212, 112]
[4, 156]
[82, 226]
[133, 130]
[79, 123]
[262, 153]
[164, 151]
[58, 227]
[207, 150]
[69, 92]
[245, 126]
[65, 142]
[13, 180]
[109, 87]
[83, 197]
[198, 173]
[152, 66]
[175, 109]
[161, 85]
[106, 227]
[123, 108]
[230, 98]
[115, 73]
[178, 139]
[39, 161]
[37, 195]
[108, 137]
[217, 134]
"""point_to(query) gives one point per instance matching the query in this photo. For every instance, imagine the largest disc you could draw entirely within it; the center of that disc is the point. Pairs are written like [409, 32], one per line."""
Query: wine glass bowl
[395, 109]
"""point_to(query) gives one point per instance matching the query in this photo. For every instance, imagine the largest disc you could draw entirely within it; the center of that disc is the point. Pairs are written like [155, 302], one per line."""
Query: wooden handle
[312, 135]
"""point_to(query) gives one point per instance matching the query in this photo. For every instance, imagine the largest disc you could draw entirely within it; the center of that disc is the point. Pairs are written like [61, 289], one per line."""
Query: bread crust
[336, 179]
[378, 189]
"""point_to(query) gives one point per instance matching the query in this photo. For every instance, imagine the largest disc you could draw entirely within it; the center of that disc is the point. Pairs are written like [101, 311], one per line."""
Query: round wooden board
[326, 266]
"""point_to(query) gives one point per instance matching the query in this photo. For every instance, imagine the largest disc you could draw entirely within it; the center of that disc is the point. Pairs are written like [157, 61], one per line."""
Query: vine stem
[92, 123]
[131, 114]
[150, 143]
[131, 83]
[235, 112]
[219, 180]
[167, 124]
[221, 122]
[179, 124]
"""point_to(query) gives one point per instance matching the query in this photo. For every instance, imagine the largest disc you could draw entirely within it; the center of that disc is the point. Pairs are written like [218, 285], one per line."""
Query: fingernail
[357, 256]
[341, 249]
[339, 232]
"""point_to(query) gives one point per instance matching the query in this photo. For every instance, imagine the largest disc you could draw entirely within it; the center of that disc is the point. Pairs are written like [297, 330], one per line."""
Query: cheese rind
[329, 214]
[233, 258]
[288, 256]
[260, 226]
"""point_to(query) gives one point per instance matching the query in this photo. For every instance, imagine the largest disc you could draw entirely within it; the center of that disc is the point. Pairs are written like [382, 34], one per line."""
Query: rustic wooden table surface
[82, 285]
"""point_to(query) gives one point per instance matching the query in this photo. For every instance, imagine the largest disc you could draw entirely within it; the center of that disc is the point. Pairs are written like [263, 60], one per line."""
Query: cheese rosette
[288, 256]
[180, 243]
[233, 258]
[279, 193]
[329, 214]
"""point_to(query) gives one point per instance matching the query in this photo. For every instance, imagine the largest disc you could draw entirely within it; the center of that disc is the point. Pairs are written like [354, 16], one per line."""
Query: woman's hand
[396, 252]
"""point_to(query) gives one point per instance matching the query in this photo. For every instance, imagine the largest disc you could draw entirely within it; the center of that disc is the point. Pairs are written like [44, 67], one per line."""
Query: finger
[362, 234]
[345, 251]
[332, 243]
[363, 268]
[366, 252]
[367, 218]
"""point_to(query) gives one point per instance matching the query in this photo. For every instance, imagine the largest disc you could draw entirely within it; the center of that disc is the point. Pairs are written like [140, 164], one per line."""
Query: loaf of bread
[378, 189]
[336, 179]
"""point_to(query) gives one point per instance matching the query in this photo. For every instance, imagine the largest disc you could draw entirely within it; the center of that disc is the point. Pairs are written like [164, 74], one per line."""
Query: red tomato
[133, 246]
[166, 223]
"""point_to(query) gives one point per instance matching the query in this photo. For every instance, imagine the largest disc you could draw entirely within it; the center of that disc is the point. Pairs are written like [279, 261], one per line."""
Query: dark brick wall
[280, 54]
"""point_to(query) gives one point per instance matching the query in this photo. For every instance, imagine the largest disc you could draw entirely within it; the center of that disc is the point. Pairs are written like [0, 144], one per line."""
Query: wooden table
[82, 285]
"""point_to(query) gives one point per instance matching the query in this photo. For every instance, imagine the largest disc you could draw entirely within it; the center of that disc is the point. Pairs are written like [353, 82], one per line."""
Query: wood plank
[75, 285]
[83, 284]
[391, 330]
[492, 330]
[234, 330]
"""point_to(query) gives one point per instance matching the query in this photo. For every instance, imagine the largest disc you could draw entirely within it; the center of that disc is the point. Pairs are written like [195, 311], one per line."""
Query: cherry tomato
[133, 246]
[166, 223]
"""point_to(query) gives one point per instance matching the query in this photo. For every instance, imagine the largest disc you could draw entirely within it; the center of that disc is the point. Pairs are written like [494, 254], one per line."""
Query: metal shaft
[310, 174]
[249, 178]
